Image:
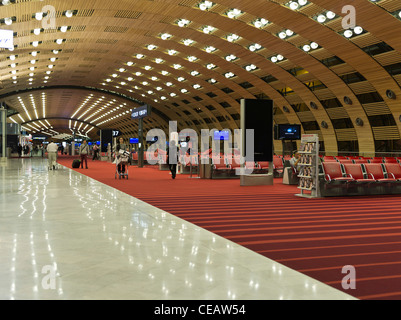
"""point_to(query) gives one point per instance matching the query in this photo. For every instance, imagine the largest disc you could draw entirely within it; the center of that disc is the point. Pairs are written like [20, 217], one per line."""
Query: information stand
[309, 166]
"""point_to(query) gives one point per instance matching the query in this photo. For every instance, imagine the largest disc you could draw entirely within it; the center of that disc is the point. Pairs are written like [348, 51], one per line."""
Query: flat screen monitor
[223, 135]
[133, 140]
[153, 140]
[289, 132]
[140, 112]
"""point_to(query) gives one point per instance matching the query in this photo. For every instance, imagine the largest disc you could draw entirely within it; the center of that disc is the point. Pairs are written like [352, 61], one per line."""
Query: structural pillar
[3, 133]
[73, 144]
[141, 148]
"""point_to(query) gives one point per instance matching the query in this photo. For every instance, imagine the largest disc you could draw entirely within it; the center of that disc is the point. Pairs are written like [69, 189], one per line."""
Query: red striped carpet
[314, 236]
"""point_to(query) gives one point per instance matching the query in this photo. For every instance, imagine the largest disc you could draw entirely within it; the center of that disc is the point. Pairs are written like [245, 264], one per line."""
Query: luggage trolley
[123, 159]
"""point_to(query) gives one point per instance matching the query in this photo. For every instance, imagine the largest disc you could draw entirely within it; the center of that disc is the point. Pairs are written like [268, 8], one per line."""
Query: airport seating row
[360, 178]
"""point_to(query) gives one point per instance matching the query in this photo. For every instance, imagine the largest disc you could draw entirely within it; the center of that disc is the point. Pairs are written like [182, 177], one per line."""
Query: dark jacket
[177, 156]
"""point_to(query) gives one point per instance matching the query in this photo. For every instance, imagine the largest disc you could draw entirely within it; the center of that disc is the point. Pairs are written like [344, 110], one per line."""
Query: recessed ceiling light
[165, 36]
[234, 13]
[348, 33]
[260, 23]
[183, 23]
[8, 21]
[39, 16]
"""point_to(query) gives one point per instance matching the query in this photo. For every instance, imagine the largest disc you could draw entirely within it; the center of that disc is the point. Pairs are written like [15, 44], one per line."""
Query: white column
[3, 133]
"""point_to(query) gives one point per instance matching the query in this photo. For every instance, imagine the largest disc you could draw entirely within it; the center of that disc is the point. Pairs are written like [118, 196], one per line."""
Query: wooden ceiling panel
[103, 36]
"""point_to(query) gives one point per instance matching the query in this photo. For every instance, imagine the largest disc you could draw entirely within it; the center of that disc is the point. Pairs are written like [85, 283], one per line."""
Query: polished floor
[64, 235]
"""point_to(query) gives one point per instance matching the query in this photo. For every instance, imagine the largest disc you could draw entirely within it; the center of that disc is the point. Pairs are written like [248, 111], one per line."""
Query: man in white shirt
[295, 161]
[52, 149]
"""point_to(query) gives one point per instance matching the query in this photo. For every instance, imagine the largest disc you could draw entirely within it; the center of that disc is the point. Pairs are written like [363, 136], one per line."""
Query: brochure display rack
[309, 166]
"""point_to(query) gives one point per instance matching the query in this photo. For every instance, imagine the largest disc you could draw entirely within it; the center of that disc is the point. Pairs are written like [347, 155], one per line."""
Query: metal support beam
[3, 133]
[141, 146]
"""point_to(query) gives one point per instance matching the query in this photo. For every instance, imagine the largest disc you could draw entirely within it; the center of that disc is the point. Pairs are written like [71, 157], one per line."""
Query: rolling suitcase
[76, 163]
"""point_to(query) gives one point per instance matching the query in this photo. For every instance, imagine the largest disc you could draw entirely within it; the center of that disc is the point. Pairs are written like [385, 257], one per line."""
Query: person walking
[95, 152]
[120, 146]
[83, 152]
[52, 149]
[19, 150]
[172, 159]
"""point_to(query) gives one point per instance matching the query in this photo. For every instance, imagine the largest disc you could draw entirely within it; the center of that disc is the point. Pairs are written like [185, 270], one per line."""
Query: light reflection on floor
[66, 236]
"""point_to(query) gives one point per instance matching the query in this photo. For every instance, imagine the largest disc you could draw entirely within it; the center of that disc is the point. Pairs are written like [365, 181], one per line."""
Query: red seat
[359, 161]
[375, 171]
[248, 165]
[390, 160]
[221, 166]
[263, 164]
[252, 165]
[333, 172]
[355, 171]
[375, 160]
[393, 170]
[278, 165]
[329, 158]
[345, 160]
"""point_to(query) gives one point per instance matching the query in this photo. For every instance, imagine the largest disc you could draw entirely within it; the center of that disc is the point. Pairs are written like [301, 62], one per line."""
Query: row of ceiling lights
[44, 127]
[34, 126]
[178, 66]
[76, 130]
[33, 104]
[234, 13]
[39, 16]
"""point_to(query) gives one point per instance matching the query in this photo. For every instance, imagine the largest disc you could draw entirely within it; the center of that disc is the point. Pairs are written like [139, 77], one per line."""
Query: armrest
[327, 177]
[392, 175]
[373, 177]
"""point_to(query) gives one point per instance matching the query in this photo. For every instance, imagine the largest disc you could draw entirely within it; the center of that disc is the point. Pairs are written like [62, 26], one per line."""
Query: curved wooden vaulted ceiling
[97, 77]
